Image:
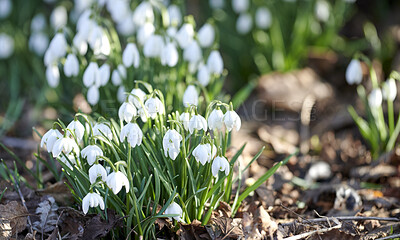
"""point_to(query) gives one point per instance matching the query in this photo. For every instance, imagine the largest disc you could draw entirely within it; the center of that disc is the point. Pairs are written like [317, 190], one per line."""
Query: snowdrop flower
[244, 23]
[143, 13]
[232, 120]
[38, 23]
[145, 32]
[66, 145]
[7, 46]
[190, 97]
[216, 4]
[116, 180]
[174, 208]
[197, 122]
[59, 17]
[92, 200]
[93, 95]
[220, 164]
[203, 75]
[77, 128]
[354, 74]
[104, 74]
[240, 6]
[68, 160]
[185, 35]
[203, 153]
[126, 26]
[215, 120]
[121, 95]
[5, 8]
[80, 44]
[206, 35]
[38, 43]
[95, 171]
[263, 18]
[131, 56]
[153, 46]
[171, 143]
[322, 10]
[175, 15]
[132, 133]
[91, 75]
[118, 74]
[119, 10]
[101, 128]
[169, 55]
[127, 111]
[389, 89]
[137, 97]
[192, 53]
[53, 75]
[99, 42]
[71, 66]
[375, 98]
[58, 46]
[143, 114]
[171, 32]
[184, 118]
[49, 138]
[91, 152]
[214, 63]
[153, 106]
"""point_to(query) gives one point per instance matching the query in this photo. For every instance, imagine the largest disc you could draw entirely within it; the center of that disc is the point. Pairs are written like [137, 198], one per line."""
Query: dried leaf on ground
[13, 218]
[193, 231]
[97, 227]
[59, 191]
[47, 211]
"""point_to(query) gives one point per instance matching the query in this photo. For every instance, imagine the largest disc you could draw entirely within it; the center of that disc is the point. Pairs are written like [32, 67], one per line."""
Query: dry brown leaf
[13, 217]
[59, 191]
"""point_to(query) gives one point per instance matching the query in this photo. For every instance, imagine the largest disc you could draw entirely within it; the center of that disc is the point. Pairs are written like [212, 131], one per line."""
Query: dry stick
[22, 200]
[355, 218]
[303, 235]
[389, 237]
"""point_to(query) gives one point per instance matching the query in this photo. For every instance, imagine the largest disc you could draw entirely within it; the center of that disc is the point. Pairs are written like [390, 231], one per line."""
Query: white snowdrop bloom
[104, 73]
[192, 53]
[82, 5]
[153, 46]
[59, 17]
[95, 171]
[197, 122]
[80, 43]
[174, 208]
[93, 95]
[52, 75]
[143, 114]
[92, 200]
[38, 43]
[68, 160]
[66, 145]
[58, 45]
[244, 23]
[215, 120]
[206, 35]
[171, 31]
[130, 56]
[185, 118]
[354, 74]
[5, 8]
[190, 96]
[127, 111]
[202, 153]
[7, 46]
[215, 64]
[185, 35]
[389, 89]
[91, 152]
[38, 23]
[175, 15]
[216, 4]
[322, 10]
[145, 32]
[99, 42]
[126, 26]
[119, 10]
[77, 129]
[121, 94]
[132, 133]
[118, 75]
[171, 143]
[49, 138]
[85, 24]
[169, 55]
[101, 129]
[240, 6]
[153, 106]
[71, 66]
[49, 58]
[232, 121]
[263, 18]
[137, 97]
[220, 164]
[116, 180]
[91, 76]
[375, 98]
[143, 13]
[203, 75]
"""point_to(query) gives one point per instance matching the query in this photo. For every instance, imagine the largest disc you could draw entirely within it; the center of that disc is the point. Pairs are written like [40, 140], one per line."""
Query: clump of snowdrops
[115, 43]
[378, 130]
[152, 165]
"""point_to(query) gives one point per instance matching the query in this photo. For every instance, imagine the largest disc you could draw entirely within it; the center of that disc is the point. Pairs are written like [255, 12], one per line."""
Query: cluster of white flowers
[6, 41]
[38, 40]
[244, 23]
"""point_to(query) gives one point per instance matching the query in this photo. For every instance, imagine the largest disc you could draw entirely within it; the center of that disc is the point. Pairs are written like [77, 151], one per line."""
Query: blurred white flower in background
[244, 23]
[190, 96]
[143, 13]
[104, 72]
[389, 89]
[375, 98]
[71, 66]
[169, 55]
[215, 64]
[5, 8]
[192, 53]
[175, 15]
[354, 74]
[93, 95]
[7, 46]
[240, 6]
[185, 35]
[57, 49]
[38, 23]
[118, 74]
[53, 75]
[91, 76]
[153, 46]
[59, 17]
[130, 56]
[322, 10]
[263, 18]
[206, 35]
[38, 43]
[217, 4]
[121, 94]
[203, 75]
[144, 33]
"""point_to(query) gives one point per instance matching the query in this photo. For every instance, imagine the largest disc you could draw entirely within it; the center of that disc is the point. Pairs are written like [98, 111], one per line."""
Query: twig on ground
[352, 218]
[390, 237]
[304, 235]
[22, 200]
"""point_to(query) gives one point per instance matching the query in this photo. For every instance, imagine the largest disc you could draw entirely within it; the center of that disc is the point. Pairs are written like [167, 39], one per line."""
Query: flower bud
[71, 66]
[389, 89]
[240, 6]
[185, 35]
[263, 18]
[192, 53]
[175, 15]
[203, 75]
[190, 97]
[53, 75]
[104, 73]
[244, 23]
[169, 55]
[215, 64]
[206, 35]
[91, 76]
[93, 95]
[118, 75]
[375, 98]
[153, 46]
[131, 56]
[354, 74]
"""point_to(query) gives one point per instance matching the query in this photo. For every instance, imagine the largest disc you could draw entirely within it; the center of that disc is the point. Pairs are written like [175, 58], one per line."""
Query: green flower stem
[390, 117]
